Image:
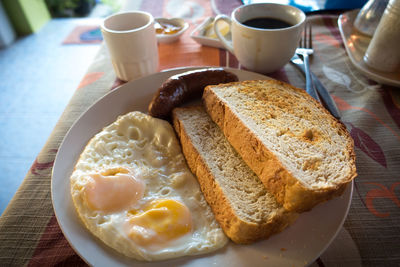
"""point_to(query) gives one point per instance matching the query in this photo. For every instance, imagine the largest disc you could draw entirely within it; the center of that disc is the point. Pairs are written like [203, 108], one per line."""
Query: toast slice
[301, 153]
[241, 204]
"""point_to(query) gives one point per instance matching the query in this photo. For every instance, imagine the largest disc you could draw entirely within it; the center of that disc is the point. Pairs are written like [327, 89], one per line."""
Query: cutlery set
[314, 87]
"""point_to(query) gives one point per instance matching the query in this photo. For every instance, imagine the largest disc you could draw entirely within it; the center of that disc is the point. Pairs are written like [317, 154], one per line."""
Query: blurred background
[46, 46]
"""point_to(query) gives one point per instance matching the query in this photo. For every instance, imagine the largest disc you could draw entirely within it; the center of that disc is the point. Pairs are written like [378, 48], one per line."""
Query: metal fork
[305, 49]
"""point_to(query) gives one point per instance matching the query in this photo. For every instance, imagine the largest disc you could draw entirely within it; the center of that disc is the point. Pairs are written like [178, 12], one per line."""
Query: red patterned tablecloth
[29, 232]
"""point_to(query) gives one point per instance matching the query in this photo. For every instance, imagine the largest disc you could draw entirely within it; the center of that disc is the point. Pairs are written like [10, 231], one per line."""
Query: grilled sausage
[186, 86]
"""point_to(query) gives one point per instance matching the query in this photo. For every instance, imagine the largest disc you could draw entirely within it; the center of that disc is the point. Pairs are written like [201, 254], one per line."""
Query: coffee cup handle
[227, 44]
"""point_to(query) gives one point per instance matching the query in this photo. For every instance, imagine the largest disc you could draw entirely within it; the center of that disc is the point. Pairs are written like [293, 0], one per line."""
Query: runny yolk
[159, 222]
[113, 190]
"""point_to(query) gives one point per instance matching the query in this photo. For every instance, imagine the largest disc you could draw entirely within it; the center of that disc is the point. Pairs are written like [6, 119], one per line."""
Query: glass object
[383, 52]
[369, 16]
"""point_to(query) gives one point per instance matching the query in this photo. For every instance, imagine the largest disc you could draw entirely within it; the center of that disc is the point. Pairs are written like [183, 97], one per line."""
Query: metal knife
[323, 92]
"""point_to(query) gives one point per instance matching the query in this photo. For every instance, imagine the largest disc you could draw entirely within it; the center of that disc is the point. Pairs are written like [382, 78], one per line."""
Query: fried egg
[132, 189]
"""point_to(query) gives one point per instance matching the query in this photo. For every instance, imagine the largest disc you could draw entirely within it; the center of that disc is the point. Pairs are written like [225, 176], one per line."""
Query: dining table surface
[370, 236]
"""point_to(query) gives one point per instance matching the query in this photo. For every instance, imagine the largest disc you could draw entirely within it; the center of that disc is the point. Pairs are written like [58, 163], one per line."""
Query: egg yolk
[159, 222]
[113, 190]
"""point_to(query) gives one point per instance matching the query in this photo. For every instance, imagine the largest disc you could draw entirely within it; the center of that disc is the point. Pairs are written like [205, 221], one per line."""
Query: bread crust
[238, 230]
[288, 190]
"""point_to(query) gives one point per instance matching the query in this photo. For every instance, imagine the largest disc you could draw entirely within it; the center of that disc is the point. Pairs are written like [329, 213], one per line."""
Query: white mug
[132, 43]
[263, 50]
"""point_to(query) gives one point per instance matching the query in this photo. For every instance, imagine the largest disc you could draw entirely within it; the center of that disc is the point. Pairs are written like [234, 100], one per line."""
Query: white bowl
[169, 38]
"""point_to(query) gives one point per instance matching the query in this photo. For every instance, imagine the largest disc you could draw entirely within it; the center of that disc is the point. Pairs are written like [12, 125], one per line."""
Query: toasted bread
[240, 202]
[301, 153]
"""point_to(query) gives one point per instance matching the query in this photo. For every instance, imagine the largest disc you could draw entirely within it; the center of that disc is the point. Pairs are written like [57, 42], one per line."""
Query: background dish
[169, 38]
[198, 34]
[356, 44]
[300, 244]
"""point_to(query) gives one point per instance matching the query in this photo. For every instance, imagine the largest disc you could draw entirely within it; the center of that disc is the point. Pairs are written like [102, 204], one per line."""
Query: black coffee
[266, 23]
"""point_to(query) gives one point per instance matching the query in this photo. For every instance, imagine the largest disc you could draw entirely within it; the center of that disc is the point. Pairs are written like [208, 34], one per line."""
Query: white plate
[298, 245]
[198, 34]
[356, 45]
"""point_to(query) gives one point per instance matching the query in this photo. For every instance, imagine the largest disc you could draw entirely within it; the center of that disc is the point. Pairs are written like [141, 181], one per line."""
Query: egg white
[149, 148]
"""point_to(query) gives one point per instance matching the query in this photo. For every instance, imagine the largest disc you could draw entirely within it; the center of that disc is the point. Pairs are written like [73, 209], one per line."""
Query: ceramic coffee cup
[131, 41]
[259, 42]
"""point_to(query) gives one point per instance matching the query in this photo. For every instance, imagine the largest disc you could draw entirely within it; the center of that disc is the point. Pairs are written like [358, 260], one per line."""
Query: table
[29, 232]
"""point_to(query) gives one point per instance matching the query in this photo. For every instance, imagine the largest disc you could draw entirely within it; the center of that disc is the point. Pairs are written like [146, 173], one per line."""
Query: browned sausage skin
[186, 86]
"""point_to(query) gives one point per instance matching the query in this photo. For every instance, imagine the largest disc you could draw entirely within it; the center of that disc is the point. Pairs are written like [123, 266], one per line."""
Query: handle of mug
[227, 44]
